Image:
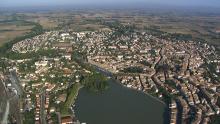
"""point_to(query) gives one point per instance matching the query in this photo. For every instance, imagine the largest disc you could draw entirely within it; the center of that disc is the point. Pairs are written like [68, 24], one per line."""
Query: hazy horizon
[189, 3]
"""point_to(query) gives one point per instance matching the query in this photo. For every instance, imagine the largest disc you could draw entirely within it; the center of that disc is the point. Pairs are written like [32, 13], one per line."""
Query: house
[67, 120]
[67, 56]
[63, 46]
[41, 63]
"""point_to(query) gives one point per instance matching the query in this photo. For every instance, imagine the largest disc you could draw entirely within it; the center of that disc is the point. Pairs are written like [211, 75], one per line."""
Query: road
[59, 117]
[16, 83]
[5, 116]
[3, 100]
[42, 107]
[4, 104]
[10, 100]
[15, 99]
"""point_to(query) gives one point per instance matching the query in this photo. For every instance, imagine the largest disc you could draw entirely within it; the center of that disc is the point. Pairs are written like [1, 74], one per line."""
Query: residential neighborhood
[184, 75]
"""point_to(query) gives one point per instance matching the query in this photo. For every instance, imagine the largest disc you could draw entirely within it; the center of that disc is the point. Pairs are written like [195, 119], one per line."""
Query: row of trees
[95, 82]
[32, 55]
[133, 70]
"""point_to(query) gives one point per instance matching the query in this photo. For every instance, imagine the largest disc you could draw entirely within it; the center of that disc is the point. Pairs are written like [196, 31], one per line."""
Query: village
[185, 75]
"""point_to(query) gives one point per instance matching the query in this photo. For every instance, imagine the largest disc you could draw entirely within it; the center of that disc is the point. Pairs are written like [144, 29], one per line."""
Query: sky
[197, 3]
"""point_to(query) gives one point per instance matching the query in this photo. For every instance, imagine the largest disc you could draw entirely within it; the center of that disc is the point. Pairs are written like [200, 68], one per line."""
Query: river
[118, 105]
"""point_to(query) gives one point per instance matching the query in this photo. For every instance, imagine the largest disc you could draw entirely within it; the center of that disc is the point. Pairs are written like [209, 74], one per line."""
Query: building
[67, 120]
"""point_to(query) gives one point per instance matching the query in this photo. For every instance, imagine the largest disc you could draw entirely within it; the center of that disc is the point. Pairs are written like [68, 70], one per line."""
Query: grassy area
[215, 119]
[72, 94]
[29, 117]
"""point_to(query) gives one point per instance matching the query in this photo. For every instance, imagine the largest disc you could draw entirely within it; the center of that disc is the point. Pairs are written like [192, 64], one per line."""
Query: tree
[95, 82]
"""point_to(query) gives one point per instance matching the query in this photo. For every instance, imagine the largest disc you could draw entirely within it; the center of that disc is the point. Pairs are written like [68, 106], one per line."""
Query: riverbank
[118, 105]
[155, 98]
[104, 99]
[72, 95]
[111, 75]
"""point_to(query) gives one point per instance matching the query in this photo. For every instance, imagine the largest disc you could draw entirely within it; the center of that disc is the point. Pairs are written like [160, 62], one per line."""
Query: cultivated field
[10, 29]
[199, 26]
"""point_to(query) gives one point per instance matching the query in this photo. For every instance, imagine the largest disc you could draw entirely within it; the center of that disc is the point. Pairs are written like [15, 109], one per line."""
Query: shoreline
[110, 74]
[71, 112]
[113, 82]
[155, 98]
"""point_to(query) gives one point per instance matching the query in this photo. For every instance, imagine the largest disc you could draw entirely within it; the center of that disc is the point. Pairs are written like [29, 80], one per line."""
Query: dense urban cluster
[44, 86]
[183, 74]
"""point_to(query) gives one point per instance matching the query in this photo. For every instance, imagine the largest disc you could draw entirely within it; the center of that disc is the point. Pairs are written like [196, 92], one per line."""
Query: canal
[118, 105]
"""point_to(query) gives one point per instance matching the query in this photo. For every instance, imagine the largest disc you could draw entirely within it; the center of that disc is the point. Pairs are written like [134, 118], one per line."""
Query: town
[43, 71]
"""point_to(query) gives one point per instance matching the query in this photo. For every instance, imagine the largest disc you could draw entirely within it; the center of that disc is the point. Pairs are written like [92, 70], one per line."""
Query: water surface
[118, 105]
